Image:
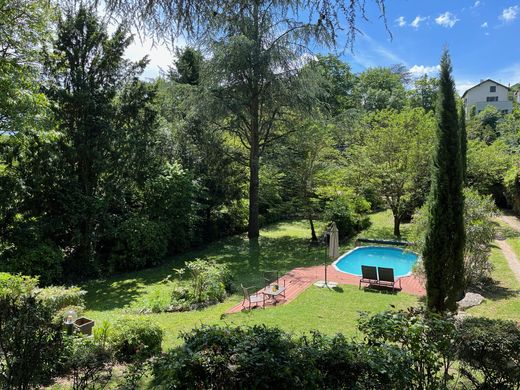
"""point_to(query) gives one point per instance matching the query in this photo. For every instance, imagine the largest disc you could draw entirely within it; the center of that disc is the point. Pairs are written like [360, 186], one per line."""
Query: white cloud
[446, 19]
[509, 14]
[463, 85]
[371, 53]
[484, 25]
[159, 55]
[421, 70]
[401, 22]
[477, 3]
[417, 21]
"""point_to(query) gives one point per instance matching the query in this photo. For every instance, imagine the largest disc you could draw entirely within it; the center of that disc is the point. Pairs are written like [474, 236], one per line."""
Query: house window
[493, 88]
[505, 111]
[492, 99]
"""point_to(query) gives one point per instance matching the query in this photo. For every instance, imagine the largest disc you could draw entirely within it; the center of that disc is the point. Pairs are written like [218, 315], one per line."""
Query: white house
[488, 92]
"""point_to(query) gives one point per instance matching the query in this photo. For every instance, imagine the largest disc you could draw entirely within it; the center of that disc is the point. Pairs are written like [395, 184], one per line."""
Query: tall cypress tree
[443, 253]
[463, 142]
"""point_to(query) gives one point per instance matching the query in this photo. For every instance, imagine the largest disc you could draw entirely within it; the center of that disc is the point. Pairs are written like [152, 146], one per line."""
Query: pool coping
[369, 246]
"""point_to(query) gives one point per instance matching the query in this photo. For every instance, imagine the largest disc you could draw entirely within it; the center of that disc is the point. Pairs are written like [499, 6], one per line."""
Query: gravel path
[510, 256]
[512, 221]
[512, 259]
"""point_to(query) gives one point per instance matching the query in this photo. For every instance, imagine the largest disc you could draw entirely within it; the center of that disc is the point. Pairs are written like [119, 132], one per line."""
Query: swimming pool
[400, 260]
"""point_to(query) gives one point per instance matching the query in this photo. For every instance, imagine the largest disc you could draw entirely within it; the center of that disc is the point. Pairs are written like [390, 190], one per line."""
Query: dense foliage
[135, 340]
[262, 358]
[31, 339]
[101, 172]
[489, 353]
[480, 233]
[402, 349]
[207, 283]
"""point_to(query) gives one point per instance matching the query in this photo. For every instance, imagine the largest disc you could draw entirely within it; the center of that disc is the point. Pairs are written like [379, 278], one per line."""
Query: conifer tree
[463, 143]
[444, 246]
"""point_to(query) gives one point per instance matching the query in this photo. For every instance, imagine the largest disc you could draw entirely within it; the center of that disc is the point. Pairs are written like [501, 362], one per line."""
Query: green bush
[263, 358]
[31, 341]
[208, 282]
[62, 299]
[343, 364]
[512, 186]
[489, 351]
[347, 213]
[88, 363]
[170, 200]
[480, 233]
[426, 337]
[42, 259]
[135, 340]
[231, 358]
[140, 243]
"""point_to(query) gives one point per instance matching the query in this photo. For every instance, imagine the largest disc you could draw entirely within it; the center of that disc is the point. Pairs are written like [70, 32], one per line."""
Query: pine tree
[444, 245]
[463, 142]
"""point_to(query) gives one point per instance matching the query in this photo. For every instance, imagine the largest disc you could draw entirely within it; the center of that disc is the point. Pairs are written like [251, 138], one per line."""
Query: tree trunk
[254, 185]
[314, 238]
[397, 226]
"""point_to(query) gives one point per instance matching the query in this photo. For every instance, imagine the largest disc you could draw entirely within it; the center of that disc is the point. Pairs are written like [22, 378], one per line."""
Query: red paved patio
[297, 280]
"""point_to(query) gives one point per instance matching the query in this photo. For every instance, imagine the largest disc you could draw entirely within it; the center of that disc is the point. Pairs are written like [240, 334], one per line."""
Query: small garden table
[273, 294]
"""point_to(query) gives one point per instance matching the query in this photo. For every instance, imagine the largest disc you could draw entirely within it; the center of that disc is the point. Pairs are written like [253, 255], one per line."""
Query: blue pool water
[400, 260]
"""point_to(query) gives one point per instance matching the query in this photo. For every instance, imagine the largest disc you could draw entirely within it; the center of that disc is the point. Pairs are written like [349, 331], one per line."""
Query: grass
[282, 246]
[382, 226]
[503, 298]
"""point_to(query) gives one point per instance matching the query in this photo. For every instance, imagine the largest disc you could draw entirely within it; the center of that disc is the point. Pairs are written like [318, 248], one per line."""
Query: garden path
[510, 256]
[512, 259]
[512, 221]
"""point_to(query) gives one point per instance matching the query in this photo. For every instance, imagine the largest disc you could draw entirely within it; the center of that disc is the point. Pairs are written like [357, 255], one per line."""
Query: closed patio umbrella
[333, 242]
[332, 252]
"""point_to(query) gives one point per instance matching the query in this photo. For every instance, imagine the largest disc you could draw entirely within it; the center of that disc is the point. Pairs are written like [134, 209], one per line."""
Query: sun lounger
[369, 275]
[386, 277]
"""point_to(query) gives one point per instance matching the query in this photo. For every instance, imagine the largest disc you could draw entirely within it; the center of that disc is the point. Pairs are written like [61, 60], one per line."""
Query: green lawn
[503, 299]
[282, 246]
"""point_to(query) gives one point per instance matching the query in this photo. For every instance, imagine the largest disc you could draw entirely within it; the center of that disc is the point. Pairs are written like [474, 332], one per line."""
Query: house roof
[482, 82]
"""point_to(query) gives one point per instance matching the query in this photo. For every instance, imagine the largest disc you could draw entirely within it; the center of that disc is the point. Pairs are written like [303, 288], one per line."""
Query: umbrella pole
[326, 260]
[326, 284]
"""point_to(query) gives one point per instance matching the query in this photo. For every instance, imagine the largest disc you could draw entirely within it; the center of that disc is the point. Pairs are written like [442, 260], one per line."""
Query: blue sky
[482, 37]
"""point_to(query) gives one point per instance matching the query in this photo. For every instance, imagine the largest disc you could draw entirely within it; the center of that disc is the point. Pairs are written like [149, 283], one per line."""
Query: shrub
[262, 358]
[208, 282]
[480, 233]
[232, 358]
[170, 200]
[61, 299]
[42, 259]
[340, 363]
[427, 337]
[140, 243]
[347, 211]
[136, 340]
[31, 342]
[88, 363]
[490, 347]
[512, 185]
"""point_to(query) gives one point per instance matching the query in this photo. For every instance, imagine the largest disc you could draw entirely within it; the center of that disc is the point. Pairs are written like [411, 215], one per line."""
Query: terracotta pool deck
[297, 280]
